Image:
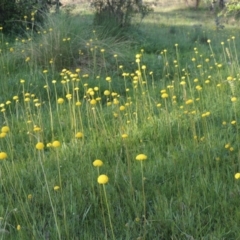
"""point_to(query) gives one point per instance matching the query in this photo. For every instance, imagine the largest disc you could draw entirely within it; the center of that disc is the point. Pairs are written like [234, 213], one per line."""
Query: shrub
[119, 12]
[16, 15]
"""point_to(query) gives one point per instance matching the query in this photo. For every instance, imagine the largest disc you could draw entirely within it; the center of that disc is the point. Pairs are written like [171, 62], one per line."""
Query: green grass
[171, 97]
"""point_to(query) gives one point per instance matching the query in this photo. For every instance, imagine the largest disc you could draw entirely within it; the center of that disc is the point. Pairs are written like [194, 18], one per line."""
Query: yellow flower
[56, 144]
[106, 92]
[29, 196]
[18, 227]
[207, 81]
[141, 157]
[97, 163]
[182, 83]
[93, 102]
[69, 96]
[56, 188]
[115, 101]
[190, 101]
[102, 179]
[227, 145]
[3, 135]
[108, 79]
[79, 135]
[60, 100]
[237, 176]
[39, 146]
[122, 108]
[5, 129]
[164, 95]
[124, 135]
[233, 99]
[36, 129]
[3, 155]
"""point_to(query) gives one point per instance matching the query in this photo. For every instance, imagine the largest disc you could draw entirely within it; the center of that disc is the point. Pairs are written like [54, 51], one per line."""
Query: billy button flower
[141, 157]
[124, 135]
[108, 79]
[5, 129]
[3, 155]
[106, 92]
[69, 96]
[56, 188]
[189, 101]
[164, 95]
[39, 146]
[56, 144]
[97, 163]
[3, 135]
[122, 108]
[60, 101]
[102, 179]
[237, 175]
[93, 102]
[79, 135]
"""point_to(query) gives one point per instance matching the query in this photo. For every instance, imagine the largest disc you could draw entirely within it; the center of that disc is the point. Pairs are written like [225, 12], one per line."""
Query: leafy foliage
[119, 12]
[18, 15]
[232, 9]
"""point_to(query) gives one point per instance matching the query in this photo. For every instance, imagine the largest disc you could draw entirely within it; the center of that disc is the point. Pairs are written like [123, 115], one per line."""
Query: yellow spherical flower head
[3, 155]
[106, 92]
[5, 129]
[122, 108]
[2, 134]
[79, 135]
[56, 144]
[93, 102]
[124, 135]
[29, 196]
[164, 95]
[108, 79]
[56, 188]
[39, 146]
[97, 163]
[60, 101]
[237, 176]
[102, 179]
[141, 157]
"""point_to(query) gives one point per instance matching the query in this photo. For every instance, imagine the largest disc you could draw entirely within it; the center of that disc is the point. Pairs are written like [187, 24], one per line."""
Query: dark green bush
[119, 12]
[17, 15]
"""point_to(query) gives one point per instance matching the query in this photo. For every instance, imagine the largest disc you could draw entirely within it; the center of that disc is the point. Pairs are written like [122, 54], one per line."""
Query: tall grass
[69, 106]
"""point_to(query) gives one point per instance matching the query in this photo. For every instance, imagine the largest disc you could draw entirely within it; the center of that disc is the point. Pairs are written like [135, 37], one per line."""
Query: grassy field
[121, 135]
